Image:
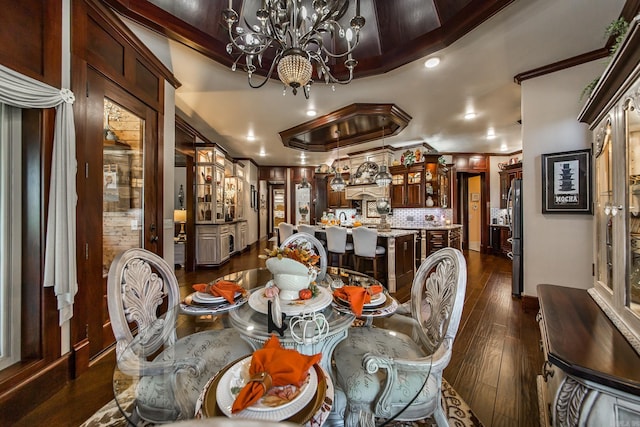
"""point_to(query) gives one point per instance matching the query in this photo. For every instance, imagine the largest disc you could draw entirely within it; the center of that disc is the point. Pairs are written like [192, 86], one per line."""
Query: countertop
[393, 233]
[430, 227]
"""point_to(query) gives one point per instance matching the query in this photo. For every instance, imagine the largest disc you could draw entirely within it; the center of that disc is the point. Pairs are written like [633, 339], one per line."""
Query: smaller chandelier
[383, 177]
[297, 40]
[337, 183]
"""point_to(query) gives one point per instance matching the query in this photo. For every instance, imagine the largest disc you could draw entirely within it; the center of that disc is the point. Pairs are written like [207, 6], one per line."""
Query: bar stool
[310, 229]
[337, 243]
[365, 247]
[284, 230]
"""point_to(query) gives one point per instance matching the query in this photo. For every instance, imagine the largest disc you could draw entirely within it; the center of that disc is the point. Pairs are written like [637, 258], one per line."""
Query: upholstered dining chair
[337, 243]
[309, 242]
[380, 372]
[139, 283]
[306, 228]
[284, 231]
[365, 247]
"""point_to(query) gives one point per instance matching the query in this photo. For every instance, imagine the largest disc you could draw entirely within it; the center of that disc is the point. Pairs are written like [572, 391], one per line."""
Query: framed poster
[566, 182]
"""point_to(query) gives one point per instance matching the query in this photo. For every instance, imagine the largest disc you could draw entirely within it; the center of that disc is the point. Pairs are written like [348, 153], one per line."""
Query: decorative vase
[430, 201]
[290, 276]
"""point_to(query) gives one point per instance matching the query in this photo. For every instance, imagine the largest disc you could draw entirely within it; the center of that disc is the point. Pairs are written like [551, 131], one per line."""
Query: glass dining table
[311, 328]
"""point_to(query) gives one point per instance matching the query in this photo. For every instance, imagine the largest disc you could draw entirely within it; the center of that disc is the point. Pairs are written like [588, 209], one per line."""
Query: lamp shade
[180, 215]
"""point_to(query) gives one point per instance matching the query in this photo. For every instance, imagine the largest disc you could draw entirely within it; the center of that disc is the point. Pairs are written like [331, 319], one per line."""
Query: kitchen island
[398, 267]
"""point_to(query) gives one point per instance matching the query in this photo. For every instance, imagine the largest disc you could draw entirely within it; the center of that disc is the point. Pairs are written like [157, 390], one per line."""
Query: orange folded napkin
[273, 366]
[222, 288]
[357, 296]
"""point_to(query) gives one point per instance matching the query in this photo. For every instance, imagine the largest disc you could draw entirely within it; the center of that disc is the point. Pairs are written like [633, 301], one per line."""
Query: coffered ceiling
[482, 45]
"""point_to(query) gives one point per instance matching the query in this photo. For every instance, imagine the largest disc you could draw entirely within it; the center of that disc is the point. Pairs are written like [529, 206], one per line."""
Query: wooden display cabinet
[508, 174]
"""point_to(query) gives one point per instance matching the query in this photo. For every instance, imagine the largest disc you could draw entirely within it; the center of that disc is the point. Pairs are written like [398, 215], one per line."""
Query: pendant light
[383, 177]
[337, 183]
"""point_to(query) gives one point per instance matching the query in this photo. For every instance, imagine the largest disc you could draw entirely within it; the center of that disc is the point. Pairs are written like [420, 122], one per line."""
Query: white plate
[205, 298]
[376, 300]
[259, 302]
[234, 378]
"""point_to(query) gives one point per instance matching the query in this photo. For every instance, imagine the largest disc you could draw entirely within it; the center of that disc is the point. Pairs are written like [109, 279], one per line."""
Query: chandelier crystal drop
[295, 41]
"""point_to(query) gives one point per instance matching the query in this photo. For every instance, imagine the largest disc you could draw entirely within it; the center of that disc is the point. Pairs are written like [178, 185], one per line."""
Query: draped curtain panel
[60, 270]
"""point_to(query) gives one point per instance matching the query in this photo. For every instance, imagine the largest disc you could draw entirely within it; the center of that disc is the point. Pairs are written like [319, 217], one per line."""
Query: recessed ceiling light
[432, 62]
[491, 133]
[503, 147]
[470, 115]
[251, 137]
[262, 153]
[311, 113]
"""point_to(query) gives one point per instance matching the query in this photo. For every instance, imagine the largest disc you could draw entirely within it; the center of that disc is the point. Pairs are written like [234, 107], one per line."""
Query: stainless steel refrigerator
[514, 216]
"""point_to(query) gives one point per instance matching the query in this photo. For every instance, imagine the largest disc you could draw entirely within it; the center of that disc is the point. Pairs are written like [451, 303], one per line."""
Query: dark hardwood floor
[495, 356]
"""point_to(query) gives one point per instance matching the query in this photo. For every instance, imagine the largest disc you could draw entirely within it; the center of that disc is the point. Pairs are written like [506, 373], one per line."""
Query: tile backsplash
[404, 217]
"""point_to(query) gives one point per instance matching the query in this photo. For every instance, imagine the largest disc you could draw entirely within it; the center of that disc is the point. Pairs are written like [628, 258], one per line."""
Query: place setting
[272, 384]
[214, 298]
[362, 301]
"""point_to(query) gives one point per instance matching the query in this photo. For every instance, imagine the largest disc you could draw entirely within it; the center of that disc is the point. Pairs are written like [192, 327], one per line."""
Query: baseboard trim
[530, 304]
[25, 396]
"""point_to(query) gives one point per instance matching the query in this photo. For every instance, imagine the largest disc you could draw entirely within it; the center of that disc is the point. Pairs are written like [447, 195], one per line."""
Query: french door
[119, 196]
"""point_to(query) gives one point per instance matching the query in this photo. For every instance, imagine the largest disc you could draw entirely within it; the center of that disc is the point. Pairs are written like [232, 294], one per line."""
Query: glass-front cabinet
[613, 111]
[209, 187]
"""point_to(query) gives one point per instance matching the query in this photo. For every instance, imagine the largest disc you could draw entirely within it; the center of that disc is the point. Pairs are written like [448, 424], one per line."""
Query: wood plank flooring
[495, 356]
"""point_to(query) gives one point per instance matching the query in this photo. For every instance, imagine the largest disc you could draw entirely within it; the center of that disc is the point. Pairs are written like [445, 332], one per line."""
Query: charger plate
[209, 406]
[189, 306]
[233, 379]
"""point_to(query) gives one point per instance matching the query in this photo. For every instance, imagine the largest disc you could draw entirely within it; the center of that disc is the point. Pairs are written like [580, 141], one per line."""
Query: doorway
[471, 196]
[119, 197]
[278, 207]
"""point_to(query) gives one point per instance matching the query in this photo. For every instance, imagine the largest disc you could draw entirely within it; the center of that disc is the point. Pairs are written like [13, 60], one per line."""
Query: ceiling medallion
[300, 40]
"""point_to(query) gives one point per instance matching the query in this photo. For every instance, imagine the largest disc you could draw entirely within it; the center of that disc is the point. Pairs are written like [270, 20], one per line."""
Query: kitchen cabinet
[613, 114]
[241, 236]
[404, 260]
[407, 186]
[424, 184]
[508, 174]
[337, 199]
[442, 238]
[499, 239]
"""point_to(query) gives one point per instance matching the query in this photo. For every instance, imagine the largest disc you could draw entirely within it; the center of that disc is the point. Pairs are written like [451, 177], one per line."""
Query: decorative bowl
[290, 276]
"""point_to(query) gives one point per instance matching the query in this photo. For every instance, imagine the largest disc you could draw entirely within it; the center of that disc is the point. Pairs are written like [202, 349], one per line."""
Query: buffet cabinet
[590, 375]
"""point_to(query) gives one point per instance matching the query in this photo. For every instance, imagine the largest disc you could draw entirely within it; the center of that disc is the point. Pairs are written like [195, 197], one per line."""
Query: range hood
[364, 191]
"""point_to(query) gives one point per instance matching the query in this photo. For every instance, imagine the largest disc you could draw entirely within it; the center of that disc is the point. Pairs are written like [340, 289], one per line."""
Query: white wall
[250, 214]
[558, 248]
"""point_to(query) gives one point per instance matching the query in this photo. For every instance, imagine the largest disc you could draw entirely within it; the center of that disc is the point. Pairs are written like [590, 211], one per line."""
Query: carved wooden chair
[313, 245]
[172, 372]
[381, 372]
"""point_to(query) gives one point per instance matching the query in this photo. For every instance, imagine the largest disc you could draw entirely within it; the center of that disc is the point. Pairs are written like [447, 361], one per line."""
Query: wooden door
[119, 196]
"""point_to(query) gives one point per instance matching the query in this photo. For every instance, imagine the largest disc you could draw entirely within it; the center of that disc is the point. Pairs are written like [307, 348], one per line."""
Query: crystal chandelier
[383, 177]
[337, 183]
[299, 40]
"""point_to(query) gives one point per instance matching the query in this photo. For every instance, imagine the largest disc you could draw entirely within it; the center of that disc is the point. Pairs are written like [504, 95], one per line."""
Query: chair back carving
[364, 241]
[336, 239]
[437, 297]
[139, 282]
[310, 243]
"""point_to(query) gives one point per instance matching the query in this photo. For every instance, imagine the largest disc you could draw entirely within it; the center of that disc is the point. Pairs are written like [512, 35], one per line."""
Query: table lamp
[180, 215]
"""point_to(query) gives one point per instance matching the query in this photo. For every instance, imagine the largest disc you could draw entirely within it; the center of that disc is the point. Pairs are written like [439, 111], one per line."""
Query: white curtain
[60, 250]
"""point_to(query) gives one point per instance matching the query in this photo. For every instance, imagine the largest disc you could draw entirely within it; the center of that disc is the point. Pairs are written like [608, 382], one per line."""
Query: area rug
[458, 412]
